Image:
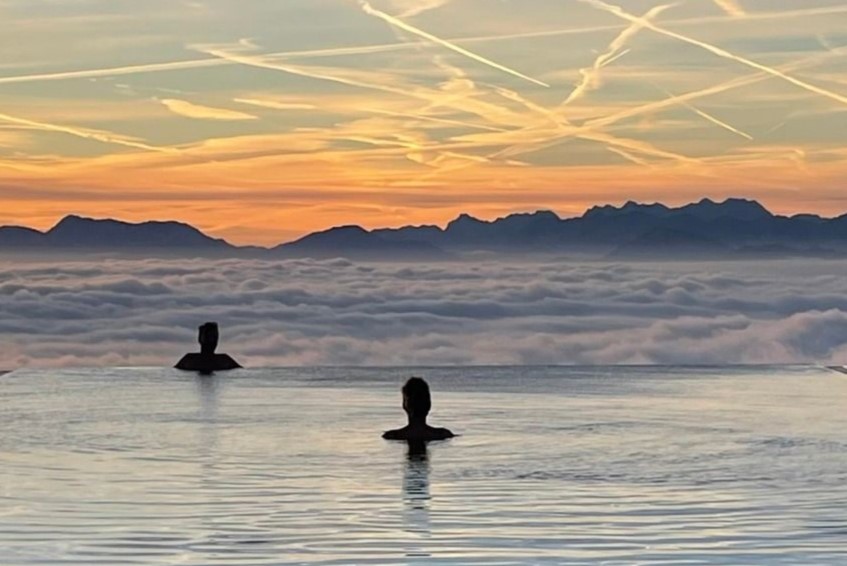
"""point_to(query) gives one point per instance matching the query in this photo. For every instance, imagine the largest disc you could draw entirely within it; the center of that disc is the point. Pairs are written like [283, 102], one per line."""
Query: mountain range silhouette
[732, 228]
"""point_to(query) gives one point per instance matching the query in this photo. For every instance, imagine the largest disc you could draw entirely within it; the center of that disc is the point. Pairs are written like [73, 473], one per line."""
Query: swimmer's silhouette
[418, 451]
[207, 361]
[417, 403]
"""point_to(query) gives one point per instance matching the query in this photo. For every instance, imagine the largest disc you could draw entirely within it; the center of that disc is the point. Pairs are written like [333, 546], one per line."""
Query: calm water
[593, 466]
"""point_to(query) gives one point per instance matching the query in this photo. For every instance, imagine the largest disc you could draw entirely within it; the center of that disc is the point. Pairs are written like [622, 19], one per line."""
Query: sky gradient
[259, 121]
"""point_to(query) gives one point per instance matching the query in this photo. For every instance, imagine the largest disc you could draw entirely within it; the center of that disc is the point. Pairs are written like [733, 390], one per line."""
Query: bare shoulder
[443, 433]
[426, 434]
[399, 434]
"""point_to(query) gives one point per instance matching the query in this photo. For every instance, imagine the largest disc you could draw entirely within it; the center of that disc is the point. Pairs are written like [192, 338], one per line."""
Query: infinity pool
[555, 465]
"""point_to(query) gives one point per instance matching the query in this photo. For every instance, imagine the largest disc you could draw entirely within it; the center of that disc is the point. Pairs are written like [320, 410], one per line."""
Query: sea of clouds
[337, 312]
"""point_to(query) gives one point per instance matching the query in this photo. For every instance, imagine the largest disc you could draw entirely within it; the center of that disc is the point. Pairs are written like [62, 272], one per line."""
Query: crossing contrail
[381, 48]
[601, 137]
[599, 124]
[590, 75]
[315, 73]
[194, 64]
[629, 157]
[370, 10]
[710, 118]
[720, 52]
[697, 94]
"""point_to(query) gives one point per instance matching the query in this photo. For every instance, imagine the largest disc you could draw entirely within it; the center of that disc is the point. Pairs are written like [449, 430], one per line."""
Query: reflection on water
[207, 394]
[416, 476]
[416, 496]
[617, 466]
[208, 390]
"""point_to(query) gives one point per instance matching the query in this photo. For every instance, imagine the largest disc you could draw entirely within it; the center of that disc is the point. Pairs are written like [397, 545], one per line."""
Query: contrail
[731, 7]
[324, 74]
[383, 48]
[588, 130]
[590, 75]
[697, 94]
[611, 60]
[370, 10]
[566, 127]
[718, 122]
[708, 117]
[112, 71]
[260, 62]
[103, 137]
[433, 119]
[786, 14]
[645, 148]
[556, 119]
[610, 120]
[196, 64]
[263, 63]
[629, 157]
[720, 52]
[421, 6]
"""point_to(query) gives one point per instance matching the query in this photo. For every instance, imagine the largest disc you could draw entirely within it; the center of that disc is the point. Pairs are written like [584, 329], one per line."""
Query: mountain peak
[356, 242]
[466, 221]
[347, 231]
[80, 231]
[705, 209]
[537, 215]
[465, 217]
[629, 207]
[734, 208]
[72, 219]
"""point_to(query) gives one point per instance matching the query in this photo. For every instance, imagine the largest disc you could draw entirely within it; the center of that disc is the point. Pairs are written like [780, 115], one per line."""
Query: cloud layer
[122, 312]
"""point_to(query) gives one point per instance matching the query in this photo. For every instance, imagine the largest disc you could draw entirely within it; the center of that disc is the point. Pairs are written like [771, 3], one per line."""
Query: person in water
[417, 403]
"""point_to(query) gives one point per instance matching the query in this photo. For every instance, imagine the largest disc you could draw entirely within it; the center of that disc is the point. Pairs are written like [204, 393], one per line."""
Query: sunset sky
[261, 120]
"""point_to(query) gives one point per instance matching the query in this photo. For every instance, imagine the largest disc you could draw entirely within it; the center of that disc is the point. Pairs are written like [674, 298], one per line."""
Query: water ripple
[288, 468]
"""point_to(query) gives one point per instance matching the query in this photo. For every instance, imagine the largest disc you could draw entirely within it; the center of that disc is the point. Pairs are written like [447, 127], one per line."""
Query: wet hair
[416, 399]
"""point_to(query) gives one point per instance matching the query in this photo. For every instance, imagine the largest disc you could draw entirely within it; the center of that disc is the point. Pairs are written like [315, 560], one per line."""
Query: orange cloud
[200, 112]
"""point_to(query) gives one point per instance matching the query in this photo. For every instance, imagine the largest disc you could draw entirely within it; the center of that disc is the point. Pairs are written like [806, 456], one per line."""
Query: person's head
[208, 337]
[416, 399]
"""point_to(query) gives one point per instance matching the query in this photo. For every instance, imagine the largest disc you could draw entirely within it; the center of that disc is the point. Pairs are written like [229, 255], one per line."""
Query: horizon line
[443, 227]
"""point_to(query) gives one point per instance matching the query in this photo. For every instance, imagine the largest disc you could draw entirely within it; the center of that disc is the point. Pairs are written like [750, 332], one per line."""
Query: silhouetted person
[417, 403]
[207, 361]
[418, 451]
[208, 338]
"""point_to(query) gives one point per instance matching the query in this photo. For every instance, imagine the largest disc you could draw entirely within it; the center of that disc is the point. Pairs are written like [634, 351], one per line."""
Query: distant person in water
[207, 361]
[417, 403]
